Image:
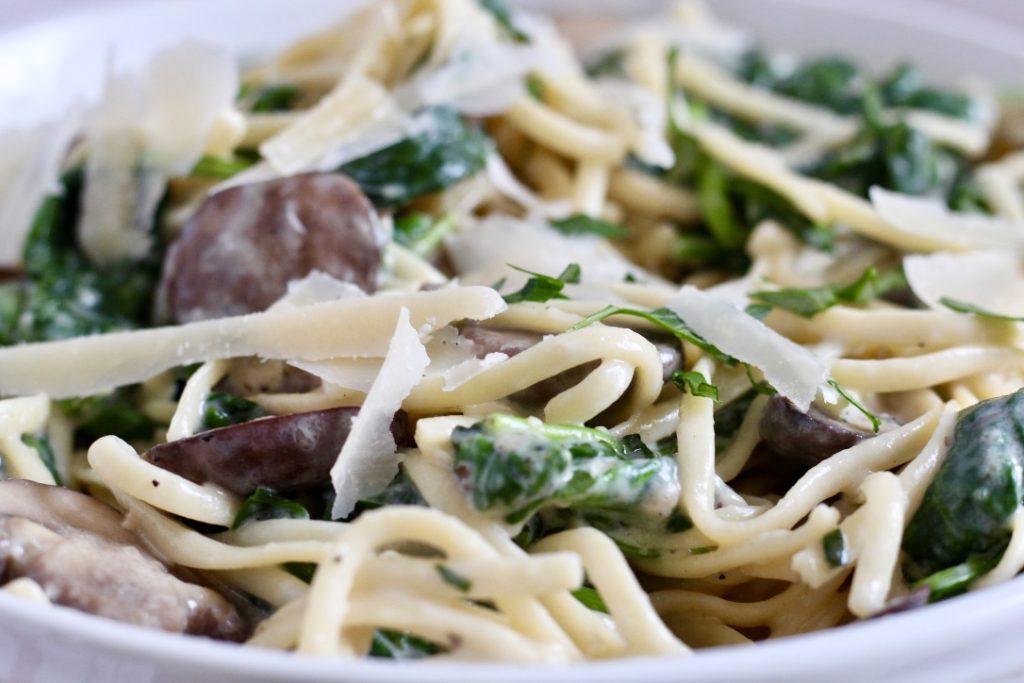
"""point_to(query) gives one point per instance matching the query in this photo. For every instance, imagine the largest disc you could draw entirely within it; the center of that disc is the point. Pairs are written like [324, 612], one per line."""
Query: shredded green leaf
[265, 504]
[590, 598]
[833, 545]
[542, 288]
[971, 309]
[582, 224]
[809, 302]
[695, 383]
[42, 446]
[876, 424]
[453, 578]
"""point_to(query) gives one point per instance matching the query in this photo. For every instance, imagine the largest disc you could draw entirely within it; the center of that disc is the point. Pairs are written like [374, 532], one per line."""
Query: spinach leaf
[270, 98]
[833, 544]
[266, 504]
[63, 294]
[980, 485]
[42, 446]
[223, 410]
[955, 580]
[115, 413]
[582, 224]
[905, 87]
[445, 150]
[389, 644]
[541, 288]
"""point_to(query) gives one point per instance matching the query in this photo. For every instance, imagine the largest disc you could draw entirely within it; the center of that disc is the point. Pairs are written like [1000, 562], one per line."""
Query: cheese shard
[935, 227]
[359, 327]
[368, 461]
[989, 280]
[794, 371]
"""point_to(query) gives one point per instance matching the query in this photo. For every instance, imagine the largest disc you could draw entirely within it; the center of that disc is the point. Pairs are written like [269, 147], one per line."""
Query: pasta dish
[434, 338]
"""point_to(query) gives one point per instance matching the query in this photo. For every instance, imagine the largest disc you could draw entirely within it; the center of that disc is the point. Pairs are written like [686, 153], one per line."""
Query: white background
[17, 11]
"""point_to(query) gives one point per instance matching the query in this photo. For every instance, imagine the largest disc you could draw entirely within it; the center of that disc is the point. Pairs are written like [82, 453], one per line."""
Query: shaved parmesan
[318, 287]
[368, 461]
[534, 246]
[793, 370]
[456, 376]
[355, 374]
[350, 327]
[340, 118]
[935, 227]
[29, 170]
[989, 280]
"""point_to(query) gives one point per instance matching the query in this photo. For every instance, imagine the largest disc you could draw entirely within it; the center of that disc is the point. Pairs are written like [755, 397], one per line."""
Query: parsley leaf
[453, 578]
[811, 301]
[833, 545]
[876, 424]
[971, 309]
[420, 233]
[42, 446]
[694, 383]
[590, 598]
[541, 288]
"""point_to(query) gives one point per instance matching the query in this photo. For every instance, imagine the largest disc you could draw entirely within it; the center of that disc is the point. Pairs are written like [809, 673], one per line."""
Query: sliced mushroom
[244, 245]
[807, 438]
[77, 550]
[512, 342]
[289, 453]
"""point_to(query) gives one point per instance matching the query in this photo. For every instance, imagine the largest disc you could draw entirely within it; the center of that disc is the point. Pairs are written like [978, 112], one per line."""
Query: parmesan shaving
[935, 227]
[456, 376]
[353, 327]
[368, 460]
[793, 370]
[990, 280]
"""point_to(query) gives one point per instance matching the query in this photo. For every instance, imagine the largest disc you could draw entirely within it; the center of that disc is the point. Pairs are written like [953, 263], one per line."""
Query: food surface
[436, 336]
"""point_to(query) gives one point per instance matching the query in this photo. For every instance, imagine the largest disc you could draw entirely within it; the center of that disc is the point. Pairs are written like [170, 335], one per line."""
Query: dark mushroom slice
[511, 342]
[79, 552]
[291, 454]
[243, 246]
[806, 438]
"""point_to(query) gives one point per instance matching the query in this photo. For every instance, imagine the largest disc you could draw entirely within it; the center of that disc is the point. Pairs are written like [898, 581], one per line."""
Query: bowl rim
[913, 631]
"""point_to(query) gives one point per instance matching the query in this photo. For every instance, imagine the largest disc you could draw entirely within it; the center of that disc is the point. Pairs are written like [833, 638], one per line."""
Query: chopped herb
[703, 550]
[223, 410]
[453, 578]
[266, 504]
[582, 224]
[667, 320]
[833, 545]
[42, 446]
[535, 86]
[955, 580]
[759, 311]
[876, 424]
[715, 203]
[303, 571]
[503, 15]
[542, 288]
[420, 233]
[760, 386]
[611, 63]
[694, 382]
[388, 644]
[972, 309]
[809, 302]
[590, 599]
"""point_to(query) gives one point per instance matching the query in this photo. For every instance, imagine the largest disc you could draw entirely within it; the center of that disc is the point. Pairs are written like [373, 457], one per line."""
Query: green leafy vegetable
[270, 98]
[115, 413]
[694, 383]
[265, 504]
[590, 599]
[42, 446]
[905, 87]
[871, 285]
[503, 15]
[535, 86]
[511, 467]
[223, 410]
[876, 424]
[955, 580]
[541, 288]
[64, 295]
[453, 578]
[388, 644]
[445, 150]
[971, 309]
[401, 491]
[665, 319]
[967, 508]
[421, 233]
[833, 544]
[582, 224]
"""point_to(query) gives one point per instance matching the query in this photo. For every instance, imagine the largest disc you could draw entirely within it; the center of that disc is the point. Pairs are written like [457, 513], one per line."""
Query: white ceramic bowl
[972, 639]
